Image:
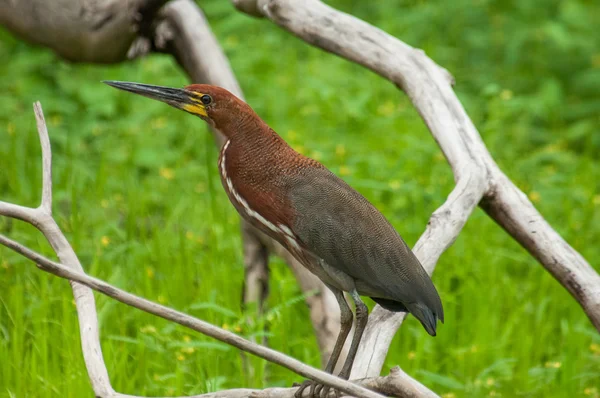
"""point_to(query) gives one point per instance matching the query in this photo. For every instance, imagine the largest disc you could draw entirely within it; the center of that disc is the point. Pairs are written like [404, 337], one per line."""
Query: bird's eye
[206, 99]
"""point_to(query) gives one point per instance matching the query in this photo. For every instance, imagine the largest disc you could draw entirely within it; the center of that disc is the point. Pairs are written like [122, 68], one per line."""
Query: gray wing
[339, 225]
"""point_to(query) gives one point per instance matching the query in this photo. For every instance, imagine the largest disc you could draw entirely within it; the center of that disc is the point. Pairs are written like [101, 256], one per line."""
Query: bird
[329, 227]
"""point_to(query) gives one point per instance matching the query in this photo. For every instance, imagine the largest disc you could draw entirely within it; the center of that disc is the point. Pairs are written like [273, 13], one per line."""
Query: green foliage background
[137, 194]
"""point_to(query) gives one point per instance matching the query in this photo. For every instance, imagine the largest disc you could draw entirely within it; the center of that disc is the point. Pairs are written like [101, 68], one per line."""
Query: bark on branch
[478, 177]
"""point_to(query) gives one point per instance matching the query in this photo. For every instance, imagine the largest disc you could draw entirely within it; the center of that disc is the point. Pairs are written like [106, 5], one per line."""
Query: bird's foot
[317, 390]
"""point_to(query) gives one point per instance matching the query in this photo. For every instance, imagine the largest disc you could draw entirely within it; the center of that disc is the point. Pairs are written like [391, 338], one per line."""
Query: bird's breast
[256, 195]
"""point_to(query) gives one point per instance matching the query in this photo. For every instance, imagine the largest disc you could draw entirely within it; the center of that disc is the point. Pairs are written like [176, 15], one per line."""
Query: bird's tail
[425, 315]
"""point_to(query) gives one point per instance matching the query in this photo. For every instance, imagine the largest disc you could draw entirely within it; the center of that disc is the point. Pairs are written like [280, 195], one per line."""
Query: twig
[46, 159]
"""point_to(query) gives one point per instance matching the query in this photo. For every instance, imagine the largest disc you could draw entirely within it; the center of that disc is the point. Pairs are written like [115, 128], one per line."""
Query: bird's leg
[346, 325]
[362, 314]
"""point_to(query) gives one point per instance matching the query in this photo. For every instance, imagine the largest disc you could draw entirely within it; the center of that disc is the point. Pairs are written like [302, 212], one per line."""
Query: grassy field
[138, 195]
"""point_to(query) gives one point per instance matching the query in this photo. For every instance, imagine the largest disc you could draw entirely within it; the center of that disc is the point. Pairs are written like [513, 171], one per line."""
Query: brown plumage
[328, 226]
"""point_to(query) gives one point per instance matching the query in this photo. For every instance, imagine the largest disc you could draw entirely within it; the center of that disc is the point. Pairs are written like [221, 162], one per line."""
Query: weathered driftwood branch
[478, 177]
[41, 218]
[101, 31]
[187, 321]
[182, 30]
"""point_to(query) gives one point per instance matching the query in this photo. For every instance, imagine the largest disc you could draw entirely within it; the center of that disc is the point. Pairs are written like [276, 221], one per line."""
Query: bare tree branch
[514, 212]
[46, 159]
[444, 226]
[188, 321]
[99, 31]
[429, 88]
[42, 219]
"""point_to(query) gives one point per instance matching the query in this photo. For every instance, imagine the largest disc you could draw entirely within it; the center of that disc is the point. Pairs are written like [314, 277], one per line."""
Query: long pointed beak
[176, 97]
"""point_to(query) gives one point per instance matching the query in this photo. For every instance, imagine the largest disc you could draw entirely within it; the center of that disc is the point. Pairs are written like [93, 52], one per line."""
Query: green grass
[137, 194]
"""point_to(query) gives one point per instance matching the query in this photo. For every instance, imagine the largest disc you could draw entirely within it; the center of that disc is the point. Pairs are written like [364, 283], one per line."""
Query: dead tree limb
[188, 321]
[101, 31]
[479, 179]
[41, 218]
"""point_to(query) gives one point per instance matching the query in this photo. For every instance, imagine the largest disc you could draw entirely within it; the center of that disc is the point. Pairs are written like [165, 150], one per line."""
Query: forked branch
[429, 87]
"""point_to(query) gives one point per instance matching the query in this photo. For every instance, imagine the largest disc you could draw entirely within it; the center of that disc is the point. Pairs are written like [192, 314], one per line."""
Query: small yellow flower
[158, 123]
[148, 329]
[394, 184]
[162, 299]
[189, 235]
[225, 326]
[316, 155]
[105, 241]
[474, 348]
[506, 94]
[534, 196]
[593, 391]
[412, 355]
[490, 382]
[340, 150]
[553, 148]
[237, 328]
[449, 395]
[187, 338]
[345, 170]
[553, 364]
[200, 188]
[232, 41]
[386, 109]
[55, 120]
[180, 357]
[150, 272]
[167, 173]
[104, 203]
[188, 350]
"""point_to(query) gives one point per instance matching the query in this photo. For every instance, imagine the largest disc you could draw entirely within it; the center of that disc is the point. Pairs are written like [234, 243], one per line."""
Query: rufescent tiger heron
[328, 226]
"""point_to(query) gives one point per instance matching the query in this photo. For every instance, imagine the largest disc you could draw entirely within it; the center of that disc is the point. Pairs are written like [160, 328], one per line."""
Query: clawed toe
[317, 390]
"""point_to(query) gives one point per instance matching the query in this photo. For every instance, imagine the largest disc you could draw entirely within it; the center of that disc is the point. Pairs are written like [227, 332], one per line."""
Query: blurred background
[138, 195]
